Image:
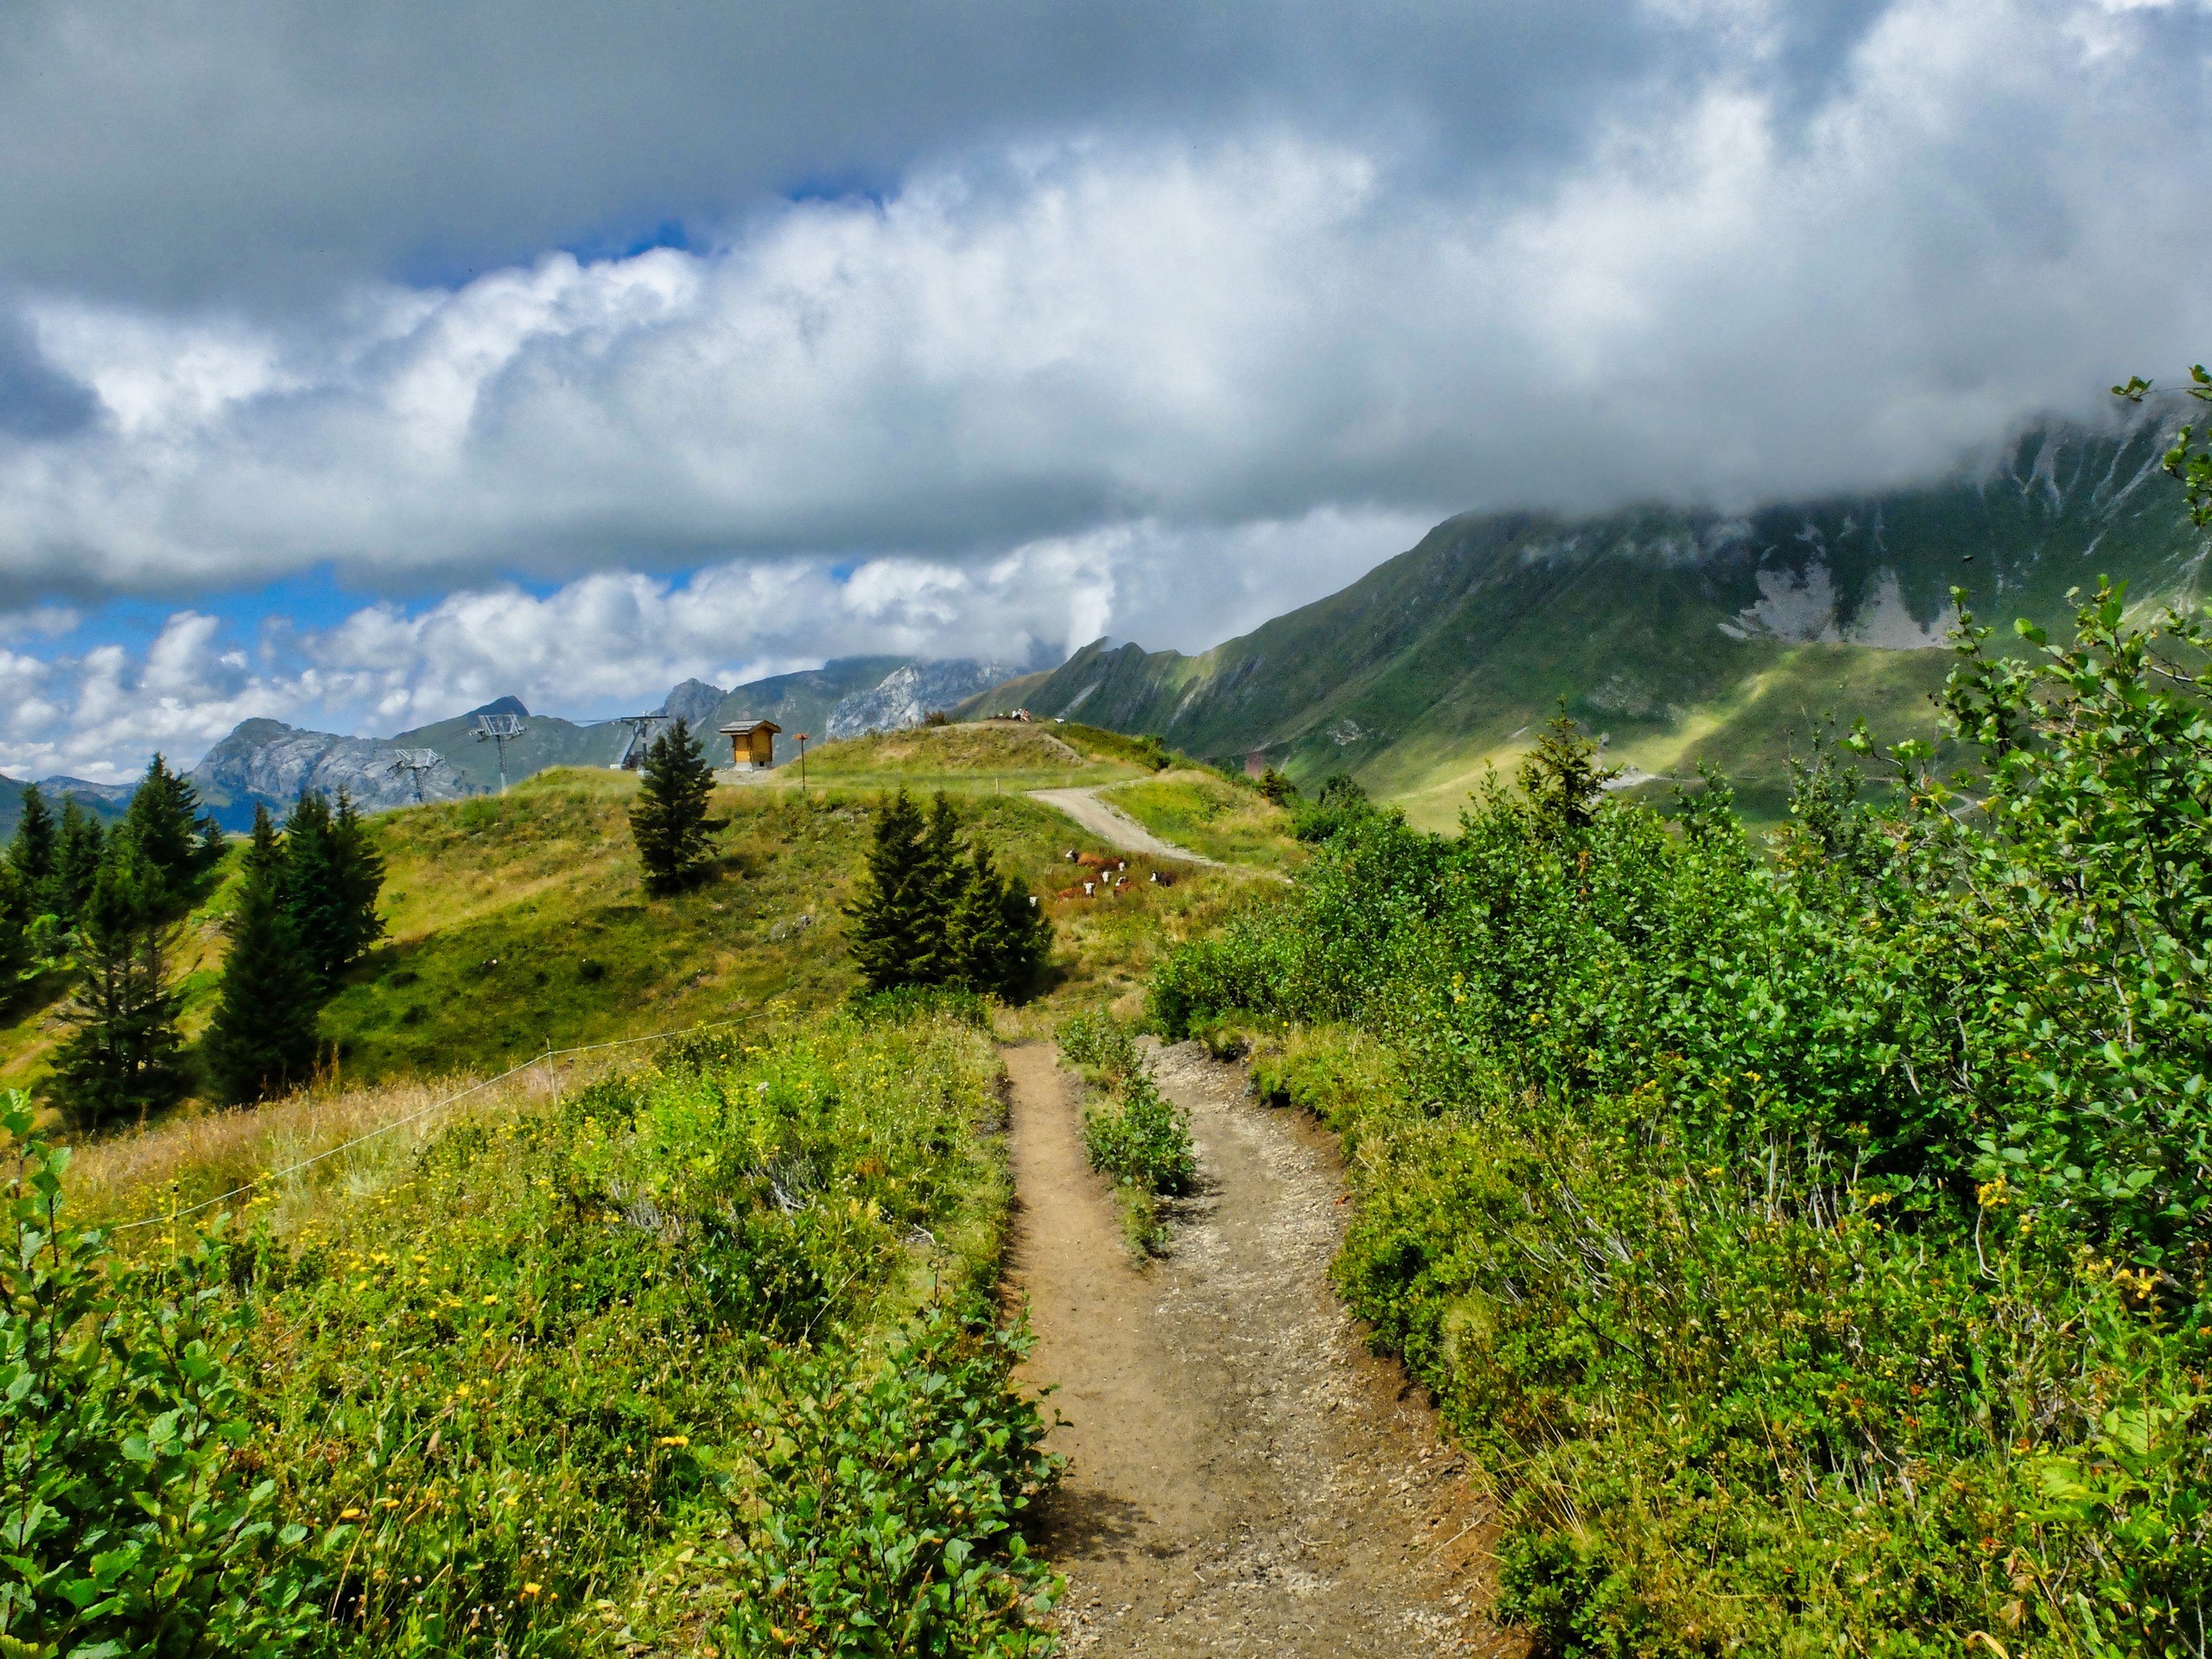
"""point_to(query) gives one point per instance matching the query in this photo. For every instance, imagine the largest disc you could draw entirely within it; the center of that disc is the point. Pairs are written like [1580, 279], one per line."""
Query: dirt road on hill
[1115, 827]
[1244, 1479]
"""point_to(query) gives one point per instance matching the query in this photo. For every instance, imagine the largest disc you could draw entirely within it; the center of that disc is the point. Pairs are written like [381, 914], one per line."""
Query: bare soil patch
[1244, 1477]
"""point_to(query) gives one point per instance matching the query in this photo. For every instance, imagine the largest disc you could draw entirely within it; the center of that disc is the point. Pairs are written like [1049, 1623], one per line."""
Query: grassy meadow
[1209, 814]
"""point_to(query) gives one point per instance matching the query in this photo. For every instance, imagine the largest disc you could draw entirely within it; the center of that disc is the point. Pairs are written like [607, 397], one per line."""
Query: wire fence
[542, 1058]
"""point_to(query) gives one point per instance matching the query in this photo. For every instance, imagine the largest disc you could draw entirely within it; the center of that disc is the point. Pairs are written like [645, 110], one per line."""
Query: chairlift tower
[501, 729]
[641, 732]
[415, 763]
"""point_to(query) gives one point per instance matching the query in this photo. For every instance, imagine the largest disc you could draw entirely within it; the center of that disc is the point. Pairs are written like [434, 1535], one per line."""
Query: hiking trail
[1244, 1478]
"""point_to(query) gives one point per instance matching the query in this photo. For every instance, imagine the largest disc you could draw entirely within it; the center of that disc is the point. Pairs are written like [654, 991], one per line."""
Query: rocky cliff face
[267, 761]
[695, 702]
[903, 696]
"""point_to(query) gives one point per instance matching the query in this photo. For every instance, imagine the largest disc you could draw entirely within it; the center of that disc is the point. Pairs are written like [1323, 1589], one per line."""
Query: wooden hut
[752, 744]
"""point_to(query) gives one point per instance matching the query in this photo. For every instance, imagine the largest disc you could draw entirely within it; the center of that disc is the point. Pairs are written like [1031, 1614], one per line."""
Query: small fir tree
[1561, 777]
[997, 936]
[36, 846]
[77, 863]
[333, 877]
[15, 917]
[670, 821]
[120, 1060]
[899, 912]
[262, 1036]
[164, 817]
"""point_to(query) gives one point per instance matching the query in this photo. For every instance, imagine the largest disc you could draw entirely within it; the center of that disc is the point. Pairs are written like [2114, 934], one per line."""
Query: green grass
[701, 1355]
[967, 759]
[518, 923]
[1210, 815]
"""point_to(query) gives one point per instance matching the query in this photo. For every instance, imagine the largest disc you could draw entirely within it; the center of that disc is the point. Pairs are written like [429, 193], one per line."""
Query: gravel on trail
[1244, 1478]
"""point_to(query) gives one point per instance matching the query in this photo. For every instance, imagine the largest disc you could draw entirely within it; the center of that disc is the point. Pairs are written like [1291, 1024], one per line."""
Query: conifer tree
[77, 862]
[897, 914]
[121, 1058]
[1561, 777]
[262, 1036]
[997, 936]
[670, 822]
[34, 848]
[164, 817]
[15, 917]
[332, 876]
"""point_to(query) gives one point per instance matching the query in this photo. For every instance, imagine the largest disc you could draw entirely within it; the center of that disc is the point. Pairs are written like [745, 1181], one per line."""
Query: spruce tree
[121, 1058]
[164, 817]
[897, 934]
[1561, 777]
[83, 845]
[33, 852]
[997, 936]
[15, 918]
[333, 875]
[262, 1036]
[670, 821]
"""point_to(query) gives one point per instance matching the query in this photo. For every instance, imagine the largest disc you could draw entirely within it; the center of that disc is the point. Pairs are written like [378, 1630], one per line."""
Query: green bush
[1098, 1047]
[131, 1517]
[1142, 1139]
[1814, 1246]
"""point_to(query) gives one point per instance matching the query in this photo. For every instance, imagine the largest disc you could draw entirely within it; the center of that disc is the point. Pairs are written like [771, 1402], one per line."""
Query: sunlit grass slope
[1209, 814]
[968, 759]
[519, 923]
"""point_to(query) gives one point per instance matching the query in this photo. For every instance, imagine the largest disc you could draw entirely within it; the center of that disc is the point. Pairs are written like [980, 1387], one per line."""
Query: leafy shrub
[1816, 1246]
[1142, 1139]
[134, 1521]
[892, 1531]
[1095, 1044]
[1340, 802]
[479, 1407]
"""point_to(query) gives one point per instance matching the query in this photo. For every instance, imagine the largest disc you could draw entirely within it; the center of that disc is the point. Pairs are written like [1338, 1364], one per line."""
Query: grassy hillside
[1679, 633]
[1209, 814]
[518, 923]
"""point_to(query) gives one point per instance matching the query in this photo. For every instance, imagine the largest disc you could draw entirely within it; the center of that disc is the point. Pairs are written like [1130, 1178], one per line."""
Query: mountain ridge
[1676, 631]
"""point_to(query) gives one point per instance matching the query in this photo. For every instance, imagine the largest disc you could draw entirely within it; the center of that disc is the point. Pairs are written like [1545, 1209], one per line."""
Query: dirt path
[1115, 827]
[1244, 1479]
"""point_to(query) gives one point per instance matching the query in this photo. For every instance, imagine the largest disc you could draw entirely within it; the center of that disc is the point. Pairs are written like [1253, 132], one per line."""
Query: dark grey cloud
[245, 148]
[34, 401]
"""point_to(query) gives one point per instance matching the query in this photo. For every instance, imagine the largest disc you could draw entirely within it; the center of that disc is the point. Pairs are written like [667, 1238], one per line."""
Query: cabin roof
[747, 728]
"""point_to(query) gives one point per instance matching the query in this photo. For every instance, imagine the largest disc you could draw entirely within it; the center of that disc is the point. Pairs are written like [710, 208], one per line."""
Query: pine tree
[997, 936]
[83, 845]
[898, 913]
[670, 821]
[333, 875]
[121, 1059]
[164, 817]
[1561, 777]
[15, 917]
[262, 1036]
[33, 852]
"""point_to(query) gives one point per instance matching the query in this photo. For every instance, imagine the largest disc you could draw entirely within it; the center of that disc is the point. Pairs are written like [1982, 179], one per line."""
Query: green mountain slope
[1678, 632]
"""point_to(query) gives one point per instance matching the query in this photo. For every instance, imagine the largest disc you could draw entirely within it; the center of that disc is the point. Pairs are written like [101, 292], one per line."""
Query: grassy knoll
[1205, 812]
[966, 758]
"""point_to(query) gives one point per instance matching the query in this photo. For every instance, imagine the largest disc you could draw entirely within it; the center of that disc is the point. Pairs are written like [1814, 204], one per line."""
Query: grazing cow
[1160, 878]
[1094, 861]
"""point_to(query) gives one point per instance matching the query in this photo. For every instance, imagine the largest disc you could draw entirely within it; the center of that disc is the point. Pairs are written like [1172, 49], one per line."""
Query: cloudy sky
[358, 364]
